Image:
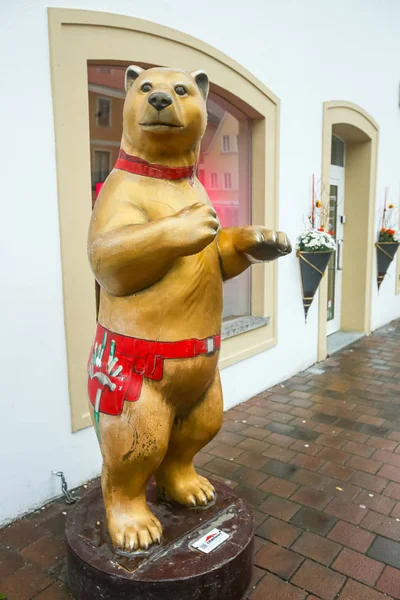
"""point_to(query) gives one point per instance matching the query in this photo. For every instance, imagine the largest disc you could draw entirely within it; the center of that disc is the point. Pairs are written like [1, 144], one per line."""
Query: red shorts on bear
[118, 363]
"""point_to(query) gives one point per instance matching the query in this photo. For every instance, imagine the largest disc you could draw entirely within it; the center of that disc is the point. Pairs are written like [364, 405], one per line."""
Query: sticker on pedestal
[211, 541]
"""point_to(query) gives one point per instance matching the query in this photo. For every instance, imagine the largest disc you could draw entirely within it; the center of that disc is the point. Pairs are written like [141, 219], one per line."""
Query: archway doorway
[349, 192]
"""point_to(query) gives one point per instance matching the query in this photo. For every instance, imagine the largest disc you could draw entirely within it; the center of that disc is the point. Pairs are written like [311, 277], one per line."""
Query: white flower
[314, 240]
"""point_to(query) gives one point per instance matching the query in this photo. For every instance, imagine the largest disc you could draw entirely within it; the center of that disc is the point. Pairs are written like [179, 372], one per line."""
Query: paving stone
[25, 583]
[319, 580]
[358, 567]
[273, 587]
[334, 455]
[346, 511]
[312, 463]
[392, 491]
[222, 467]
[277, 452]
[278, 560]
[369, 482]
[44, 552]
[10, 561]
[358, 449]
[336, 471]
[308, 478]
[225, 451]
[255, 432]
[311, 498]
[57, 591]
[279, 469]
[280, 428]
[251, 459]
[252, 445]
[247, 476]
[279, 487]
[354, 537]
[278, 439]
[356, 591]
[323, 418]
[280, 417]
[376, 502]
[317, 548]
[391, 473]
[389, 583]
[341, 489]
[279, 532]
[364, 464]
[279, 507]
[21, 534]
[313, 520]
[251, 495]
[383, 444]
[385, 526]
[387, 457]
[386, 551]
[304, 448]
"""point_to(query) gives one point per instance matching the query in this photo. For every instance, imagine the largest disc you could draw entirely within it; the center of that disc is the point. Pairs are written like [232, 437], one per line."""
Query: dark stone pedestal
[175, 569]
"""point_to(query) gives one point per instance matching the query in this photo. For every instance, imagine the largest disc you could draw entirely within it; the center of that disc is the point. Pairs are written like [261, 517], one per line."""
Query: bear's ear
[131, 74]
[201, 78]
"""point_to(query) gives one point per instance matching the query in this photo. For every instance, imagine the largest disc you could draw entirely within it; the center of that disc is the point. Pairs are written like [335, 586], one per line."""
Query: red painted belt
[118, 363]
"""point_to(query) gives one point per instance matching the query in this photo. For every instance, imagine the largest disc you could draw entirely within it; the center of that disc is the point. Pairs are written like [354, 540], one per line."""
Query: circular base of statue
[205, 553]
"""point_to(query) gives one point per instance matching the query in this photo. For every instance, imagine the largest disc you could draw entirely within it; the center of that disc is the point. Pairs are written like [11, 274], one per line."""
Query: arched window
[238, 165]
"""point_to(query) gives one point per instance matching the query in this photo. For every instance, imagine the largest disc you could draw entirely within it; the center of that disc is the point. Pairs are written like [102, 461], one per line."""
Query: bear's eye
[180, 90]
[146, 87]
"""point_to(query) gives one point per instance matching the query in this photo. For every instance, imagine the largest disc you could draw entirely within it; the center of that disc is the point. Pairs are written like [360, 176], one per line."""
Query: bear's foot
[187, 488]
[133, 529]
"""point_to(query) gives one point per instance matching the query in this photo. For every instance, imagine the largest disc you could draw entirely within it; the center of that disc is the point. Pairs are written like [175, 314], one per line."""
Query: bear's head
[165, 114]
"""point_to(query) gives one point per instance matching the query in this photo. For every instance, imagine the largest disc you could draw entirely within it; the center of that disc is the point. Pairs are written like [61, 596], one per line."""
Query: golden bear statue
[160, 256]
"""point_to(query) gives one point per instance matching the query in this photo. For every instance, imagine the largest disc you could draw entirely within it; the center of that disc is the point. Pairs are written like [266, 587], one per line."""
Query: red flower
[391, 231]
[383, 229]
[320, 229]
[331, 232]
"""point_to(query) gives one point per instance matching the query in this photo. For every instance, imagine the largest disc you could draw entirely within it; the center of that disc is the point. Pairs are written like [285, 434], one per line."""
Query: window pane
[224, 164]
[333, 207]
[337, 152]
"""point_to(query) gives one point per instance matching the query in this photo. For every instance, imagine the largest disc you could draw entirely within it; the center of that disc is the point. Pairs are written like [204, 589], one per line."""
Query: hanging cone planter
[312, 268]
[385, 253]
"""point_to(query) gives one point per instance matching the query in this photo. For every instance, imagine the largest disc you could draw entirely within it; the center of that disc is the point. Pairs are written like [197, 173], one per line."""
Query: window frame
[227, 178]
[212, 186]
[93, 35]
[225, 137]
[96, 151]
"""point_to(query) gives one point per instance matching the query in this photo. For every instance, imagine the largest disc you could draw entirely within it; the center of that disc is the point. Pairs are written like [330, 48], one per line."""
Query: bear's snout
[160, 100]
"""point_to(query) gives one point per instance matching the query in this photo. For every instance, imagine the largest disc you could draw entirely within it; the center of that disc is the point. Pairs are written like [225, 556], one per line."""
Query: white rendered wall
[285, 44]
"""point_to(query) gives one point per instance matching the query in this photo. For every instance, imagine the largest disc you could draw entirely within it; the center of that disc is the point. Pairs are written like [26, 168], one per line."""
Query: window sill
[240, 325]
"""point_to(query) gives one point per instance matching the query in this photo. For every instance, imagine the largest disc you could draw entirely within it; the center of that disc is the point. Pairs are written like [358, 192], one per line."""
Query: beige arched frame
[360, 133]
[77, 37]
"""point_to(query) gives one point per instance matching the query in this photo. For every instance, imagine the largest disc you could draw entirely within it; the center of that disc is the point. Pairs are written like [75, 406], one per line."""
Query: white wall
[284, 43]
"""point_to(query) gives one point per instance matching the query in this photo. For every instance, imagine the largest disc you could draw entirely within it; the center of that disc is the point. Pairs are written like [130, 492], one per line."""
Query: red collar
[139, 166]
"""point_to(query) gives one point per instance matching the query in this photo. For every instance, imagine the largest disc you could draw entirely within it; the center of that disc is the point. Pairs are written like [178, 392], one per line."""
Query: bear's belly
[185, 303]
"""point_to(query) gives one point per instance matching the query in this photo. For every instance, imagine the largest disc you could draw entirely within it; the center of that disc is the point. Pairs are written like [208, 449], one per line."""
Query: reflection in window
[103, 112]
[227, 181]
[226, 145]
[224, 163]
[101, 165]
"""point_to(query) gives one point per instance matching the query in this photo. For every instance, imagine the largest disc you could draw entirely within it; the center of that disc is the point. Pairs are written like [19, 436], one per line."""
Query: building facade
[298, 90]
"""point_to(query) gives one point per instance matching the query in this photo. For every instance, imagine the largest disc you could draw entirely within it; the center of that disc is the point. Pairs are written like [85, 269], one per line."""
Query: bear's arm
[240, 247]
[127, 253]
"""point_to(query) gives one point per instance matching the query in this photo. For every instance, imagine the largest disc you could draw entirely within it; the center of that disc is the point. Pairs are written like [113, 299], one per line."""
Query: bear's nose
[160, 100]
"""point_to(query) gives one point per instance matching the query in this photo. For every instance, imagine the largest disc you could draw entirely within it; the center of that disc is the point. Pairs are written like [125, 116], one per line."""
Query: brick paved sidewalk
[318, 458]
